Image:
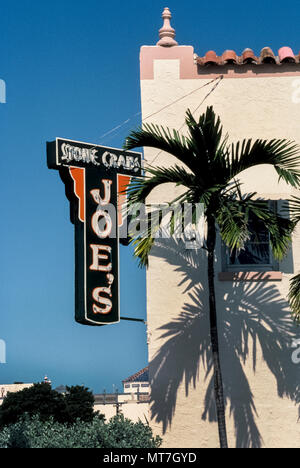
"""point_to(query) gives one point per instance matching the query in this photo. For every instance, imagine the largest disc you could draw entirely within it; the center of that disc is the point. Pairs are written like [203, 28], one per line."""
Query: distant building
[133, 403]
[138, 382]
[61, 389]
[16, 387]
[47, 380]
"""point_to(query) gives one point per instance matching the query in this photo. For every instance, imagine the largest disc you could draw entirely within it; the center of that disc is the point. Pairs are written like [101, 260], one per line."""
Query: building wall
[261, 383]
[129, 407]
[135, 386]
[4, 389]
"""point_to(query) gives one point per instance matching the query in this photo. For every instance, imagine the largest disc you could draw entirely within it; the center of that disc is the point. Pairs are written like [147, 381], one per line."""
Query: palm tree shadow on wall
[252, 318]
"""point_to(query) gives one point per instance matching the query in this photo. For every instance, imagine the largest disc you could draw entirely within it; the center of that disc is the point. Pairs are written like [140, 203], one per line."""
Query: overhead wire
[122, 124]
[195, 110]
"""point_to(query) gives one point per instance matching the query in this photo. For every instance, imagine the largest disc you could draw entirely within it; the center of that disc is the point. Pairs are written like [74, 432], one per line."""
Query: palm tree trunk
[218, 384]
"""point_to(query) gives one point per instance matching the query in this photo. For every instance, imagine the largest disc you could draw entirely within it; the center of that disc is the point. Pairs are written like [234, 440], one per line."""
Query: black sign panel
[64, 152]
[94, 178]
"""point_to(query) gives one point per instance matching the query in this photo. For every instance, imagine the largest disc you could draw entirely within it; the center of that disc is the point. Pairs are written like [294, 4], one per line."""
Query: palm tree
[209, 172]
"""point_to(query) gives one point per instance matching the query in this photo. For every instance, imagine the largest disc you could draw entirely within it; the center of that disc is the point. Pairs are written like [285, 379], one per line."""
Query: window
[257, 254]
[127, 386]
[135, 385]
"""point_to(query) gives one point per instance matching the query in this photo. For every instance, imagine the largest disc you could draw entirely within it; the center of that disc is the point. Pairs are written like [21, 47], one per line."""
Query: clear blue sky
[72, 70]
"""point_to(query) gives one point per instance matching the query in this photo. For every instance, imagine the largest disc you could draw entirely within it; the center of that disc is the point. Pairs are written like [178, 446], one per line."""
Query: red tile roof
[285, 54]
[140, 376]
[266, 56]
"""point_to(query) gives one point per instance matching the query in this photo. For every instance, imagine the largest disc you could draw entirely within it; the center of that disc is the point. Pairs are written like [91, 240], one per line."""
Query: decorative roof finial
[167, 33]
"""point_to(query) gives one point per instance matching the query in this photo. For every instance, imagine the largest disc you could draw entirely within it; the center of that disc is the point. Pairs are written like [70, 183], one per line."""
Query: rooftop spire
[167, 33]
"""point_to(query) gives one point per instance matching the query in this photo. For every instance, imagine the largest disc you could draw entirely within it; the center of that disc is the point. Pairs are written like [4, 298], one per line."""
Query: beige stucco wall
[135, 386]
[130, 409]
[261, 383]
[4, 389]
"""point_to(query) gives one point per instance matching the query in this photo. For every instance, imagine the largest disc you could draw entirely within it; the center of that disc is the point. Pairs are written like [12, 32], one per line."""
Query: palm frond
[156, 136]
[280, 230]
[205, 135]
[233, 219]
[142, 249]
[207, 143]
[292, 207]
[150, 226]
[233, 215]
[141, 187]
[142, 231]
[283, 155]
[294, 297]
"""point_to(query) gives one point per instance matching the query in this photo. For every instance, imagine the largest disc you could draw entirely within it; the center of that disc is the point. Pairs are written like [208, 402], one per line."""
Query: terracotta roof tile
[286, 55]
[140, 376]
[210, 58]
[266, 56]
[229, 56]
[248, 56]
